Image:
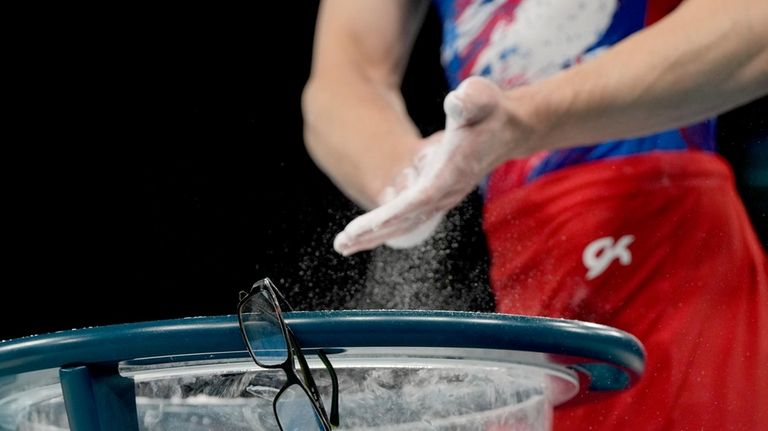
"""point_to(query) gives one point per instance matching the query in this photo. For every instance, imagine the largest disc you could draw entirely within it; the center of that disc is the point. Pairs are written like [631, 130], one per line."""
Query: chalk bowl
[406, 394]
[422, 395]
[396, 372]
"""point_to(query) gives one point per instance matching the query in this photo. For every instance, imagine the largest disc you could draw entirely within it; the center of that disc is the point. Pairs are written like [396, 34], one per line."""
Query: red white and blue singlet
[646, 234]
[516, 42]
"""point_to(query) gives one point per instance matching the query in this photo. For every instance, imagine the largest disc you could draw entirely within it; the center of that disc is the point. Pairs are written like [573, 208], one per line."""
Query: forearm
[358, 132]
[356, 126]
[706, 57]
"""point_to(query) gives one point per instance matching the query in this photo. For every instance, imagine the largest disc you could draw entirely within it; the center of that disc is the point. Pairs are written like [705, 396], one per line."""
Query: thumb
[471, 102]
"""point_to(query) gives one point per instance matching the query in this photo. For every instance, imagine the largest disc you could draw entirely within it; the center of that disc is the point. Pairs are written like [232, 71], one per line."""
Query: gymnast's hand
[479, 134]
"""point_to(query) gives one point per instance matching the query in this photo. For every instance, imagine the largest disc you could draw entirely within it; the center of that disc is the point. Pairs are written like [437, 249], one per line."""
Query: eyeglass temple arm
[334, 416]
[334, 419]
[281, 297]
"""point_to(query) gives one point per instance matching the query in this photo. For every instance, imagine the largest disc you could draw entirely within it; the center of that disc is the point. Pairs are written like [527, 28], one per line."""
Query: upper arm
[369, 38]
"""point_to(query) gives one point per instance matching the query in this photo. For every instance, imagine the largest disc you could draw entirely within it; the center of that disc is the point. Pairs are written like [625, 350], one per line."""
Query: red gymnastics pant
[658, 245]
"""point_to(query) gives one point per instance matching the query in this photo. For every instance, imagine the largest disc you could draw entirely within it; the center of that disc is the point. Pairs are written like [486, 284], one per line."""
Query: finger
[366, 236]
[454, 110]
[410, 203]
[385, 221]
[363, 226]
[396, 232]
[400, 231]
[418, 235]
[347, 245]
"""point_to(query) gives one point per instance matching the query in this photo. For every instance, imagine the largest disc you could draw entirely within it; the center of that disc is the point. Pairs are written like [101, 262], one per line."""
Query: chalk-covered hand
[479, 135]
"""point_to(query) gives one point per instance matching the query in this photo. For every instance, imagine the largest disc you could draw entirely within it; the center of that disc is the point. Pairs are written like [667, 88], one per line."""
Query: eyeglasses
[271, 343]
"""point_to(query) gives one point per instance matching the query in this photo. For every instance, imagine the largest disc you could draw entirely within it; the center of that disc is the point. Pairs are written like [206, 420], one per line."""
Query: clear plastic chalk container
[397, 370]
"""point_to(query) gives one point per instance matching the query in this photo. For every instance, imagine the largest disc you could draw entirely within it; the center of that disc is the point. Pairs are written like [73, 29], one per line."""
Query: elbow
[762, 72]
[311, 106]
[309, 97]
[754, 73]
[756, 30]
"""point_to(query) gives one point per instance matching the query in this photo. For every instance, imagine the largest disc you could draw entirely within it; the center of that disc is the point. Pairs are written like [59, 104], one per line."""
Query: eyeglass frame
[289, 366]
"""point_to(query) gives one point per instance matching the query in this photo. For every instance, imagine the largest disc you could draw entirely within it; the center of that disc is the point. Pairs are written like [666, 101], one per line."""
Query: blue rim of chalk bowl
[604, 358]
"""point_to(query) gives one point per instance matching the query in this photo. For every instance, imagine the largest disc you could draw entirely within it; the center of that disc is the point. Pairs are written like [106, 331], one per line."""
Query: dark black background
[164, 170]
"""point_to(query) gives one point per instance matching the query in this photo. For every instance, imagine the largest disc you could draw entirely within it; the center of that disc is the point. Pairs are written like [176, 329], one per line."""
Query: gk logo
[599, 254]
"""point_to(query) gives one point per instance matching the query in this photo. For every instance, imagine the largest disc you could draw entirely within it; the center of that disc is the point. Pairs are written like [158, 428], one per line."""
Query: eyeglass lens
[296, 412]
[262, 330]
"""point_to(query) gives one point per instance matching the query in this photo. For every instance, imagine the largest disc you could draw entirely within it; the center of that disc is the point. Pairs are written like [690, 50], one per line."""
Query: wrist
[390, 171]
[529, 119]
